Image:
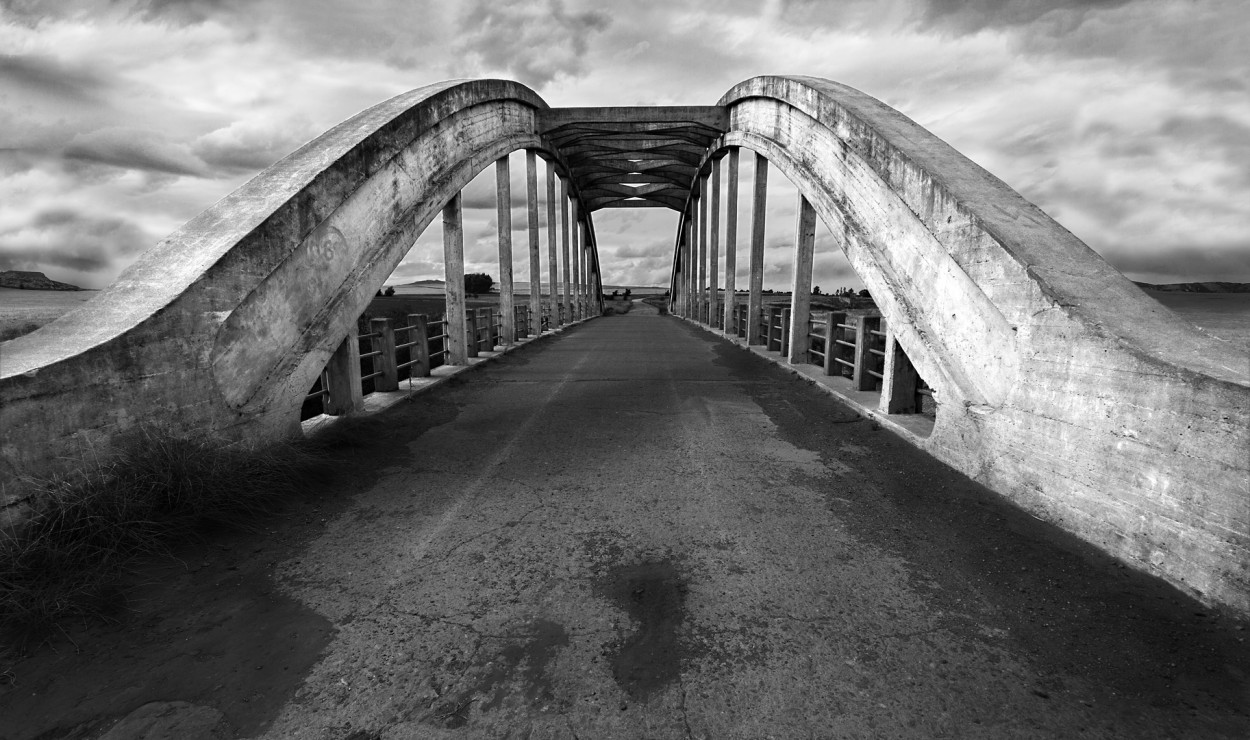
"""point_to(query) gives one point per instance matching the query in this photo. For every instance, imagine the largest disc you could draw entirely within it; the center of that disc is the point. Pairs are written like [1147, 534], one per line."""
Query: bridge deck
[637, 531]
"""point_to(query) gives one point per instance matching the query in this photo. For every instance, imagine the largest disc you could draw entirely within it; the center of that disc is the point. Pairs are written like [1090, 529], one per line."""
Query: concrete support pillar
[731, 241]
[899, 379]
[419, 349]
[566, 312]
[701, 283]
[384, 363]
[453, 288]
[535, 307]
[576, 222]
[713, 248]
[343, 375]
[759, 201]
[503, 210]
[553, 294]
[688, 304]
[801, 288]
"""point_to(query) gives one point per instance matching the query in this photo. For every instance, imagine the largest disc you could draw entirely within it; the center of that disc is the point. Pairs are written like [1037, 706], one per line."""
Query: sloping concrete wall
[1060, 384]
[224, 325]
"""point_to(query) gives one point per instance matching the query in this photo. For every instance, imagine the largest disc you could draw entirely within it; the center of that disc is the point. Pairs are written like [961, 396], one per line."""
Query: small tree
[390, 291]
[478, 282]
[816, 290]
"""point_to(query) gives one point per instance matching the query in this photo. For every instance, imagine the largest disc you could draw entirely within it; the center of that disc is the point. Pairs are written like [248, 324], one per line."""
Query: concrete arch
[1062, 385]
[224, 325]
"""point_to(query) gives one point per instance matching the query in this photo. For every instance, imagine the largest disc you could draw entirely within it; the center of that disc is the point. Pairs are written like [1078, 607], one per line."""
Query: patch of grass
[84, 529]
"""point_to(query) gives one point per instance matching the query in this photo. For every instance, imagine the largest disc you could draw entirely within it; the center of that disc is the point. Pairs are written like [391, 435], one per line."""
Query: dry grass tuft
[86, 528]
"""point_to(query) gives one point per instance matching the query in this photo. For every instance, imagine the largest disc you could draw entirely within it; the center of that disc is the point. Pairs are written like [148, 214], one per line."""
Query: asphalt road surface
[634, 530]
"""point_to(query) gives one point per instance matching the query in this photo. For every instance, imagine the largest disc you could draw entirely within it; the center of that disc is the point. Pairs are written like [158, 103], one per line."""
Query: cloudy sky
[1126, 120]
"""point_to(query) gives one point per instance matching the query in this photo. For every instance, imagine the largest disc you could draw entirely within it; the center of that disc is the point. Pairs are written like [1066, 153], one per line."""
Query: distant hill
[24, 280]
[1198, 287]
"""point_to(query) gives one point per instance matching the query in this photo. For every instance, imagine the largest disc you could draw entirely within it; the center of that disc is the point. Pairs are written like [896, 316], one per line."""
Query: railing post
[522, 321]
[503, 211]
[384, 362]
[343, 372]
[862, 379]
[801, 289]
[419, 352]
[486, 318]
[472, 337]
[832, 335]
[898, 378]
[759, 206]
[453, 288]
[784, 344]
[731, 243]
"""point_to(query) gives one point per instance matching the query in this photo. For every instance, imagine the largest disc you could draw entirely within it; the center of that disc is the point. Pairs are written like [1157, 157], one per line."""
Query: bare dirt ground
[634, 531]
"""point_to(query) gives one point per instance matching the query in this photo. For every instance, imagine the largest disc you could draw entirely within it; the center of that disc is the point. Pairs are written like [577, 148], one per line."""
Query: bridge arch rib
[224, 325]
[1061, 384]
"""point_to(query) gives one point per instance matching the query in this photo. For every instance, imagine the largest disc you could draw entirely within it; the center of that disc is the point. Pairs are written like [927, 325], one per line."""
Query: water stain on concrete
[519, 672]
[653, 593]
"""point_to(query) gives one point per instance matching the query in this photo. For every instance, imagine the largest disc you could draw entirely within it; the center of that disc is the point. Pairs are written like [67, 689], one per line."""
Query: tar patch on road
[653, 593]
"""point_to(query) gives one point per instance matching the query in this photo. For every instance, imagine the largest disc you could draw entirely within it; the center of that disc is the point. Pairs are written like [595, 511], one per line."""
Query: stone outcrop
[25, 280]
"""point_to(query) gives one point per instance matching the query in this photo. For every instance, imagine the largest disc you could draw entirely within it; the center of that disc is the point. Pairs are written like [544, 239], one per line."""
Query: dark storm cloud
[1226, 261]
[970, 16]
[181, 12]
[47, 76]
[67, 239]
[535, 43]
[134, 149]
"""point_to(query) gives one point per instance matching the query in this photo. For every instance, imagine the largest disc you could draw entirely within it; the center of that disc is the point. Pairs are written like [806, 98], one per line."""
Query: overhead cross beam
[633, 157]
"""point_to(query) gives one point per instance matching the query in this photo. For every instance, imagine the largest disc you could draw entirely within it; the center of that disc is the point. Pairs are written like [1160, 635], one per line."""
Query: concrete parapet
[1061, 385]
[224, 325]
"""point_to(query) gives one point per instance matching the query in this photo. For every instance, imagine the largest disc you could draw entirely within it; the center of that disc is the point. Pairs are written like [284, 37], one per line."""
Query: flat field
[1224, 315]
[23, 311]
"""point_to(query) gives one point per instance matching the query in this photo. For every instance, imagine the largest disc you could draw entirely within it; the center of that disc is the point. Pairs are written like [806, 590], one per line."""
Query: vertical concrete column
[419, 352]
[588, 288]
[731, 242]
[575, 312]
[688, 305]
[801, 288]
[453, 287]
[343, 374]
[536, 275]
[503, 210]
[713, 291]
[566, 313]
[701, 240]
[759, 201]
[384, 362]
[898, 378]
[553, 293]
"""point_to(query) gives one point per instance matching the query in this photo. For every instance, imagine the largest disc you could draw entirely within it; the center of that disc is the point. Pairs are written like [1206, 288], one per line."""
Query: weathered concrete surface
[638, 531]
[224, 325]
[1060, 384]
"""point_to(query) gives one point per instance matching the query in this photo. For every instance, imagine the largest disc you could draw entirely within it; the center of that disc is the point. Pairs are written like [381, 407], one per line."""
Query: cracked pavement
[632, 530]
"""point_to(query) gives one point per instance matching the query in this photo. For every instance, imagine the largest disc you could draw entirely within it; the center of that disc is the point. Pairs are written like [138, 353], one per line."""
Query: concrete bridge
[1050, 377]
